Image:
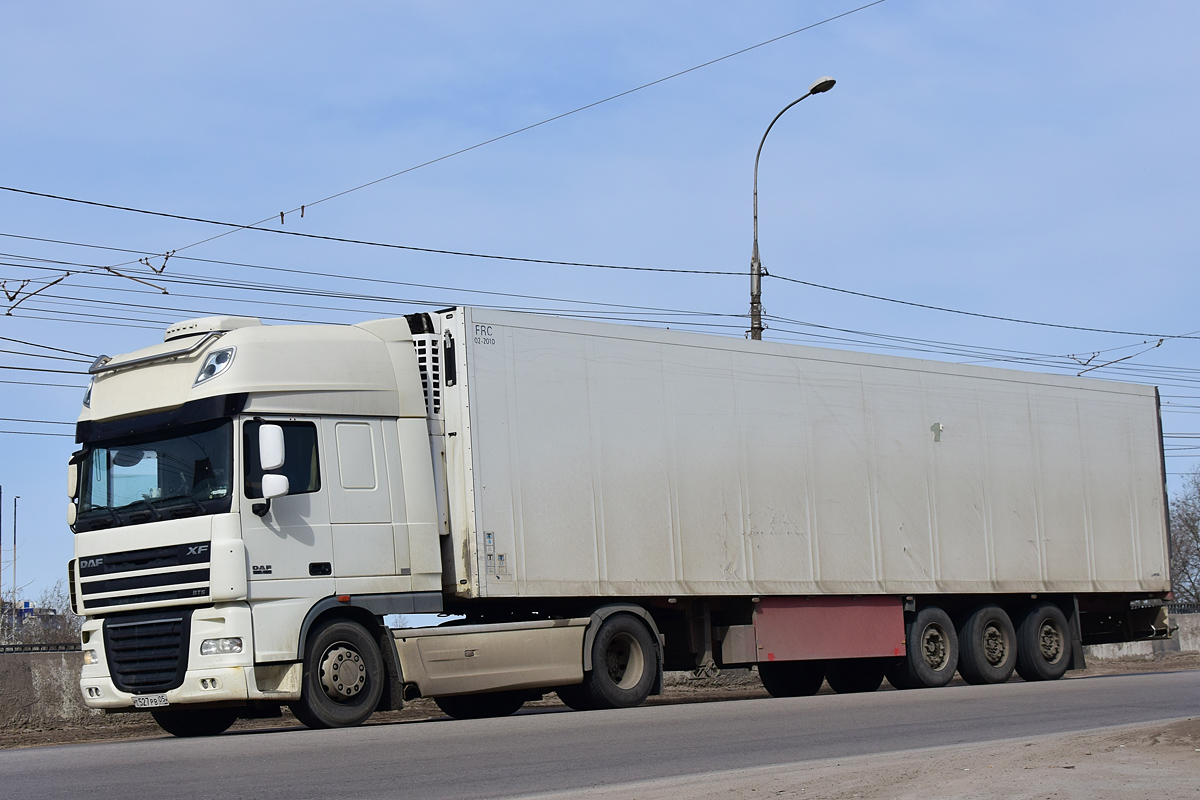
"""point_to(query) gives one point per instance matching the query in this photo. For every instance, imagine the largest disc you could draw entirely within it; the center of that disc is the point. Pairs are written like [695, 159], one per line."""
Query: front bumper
[226, 679]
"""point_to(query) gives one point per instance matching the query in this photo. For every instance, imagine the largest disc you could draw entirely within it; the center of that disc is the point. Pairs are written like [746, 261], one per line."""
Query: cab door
[292, 541]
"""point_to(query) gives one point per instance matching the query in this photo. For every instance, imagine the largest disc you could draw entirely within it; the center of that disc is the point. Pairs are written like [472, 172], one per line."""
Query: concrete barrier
[41, 690]
[1186, 639]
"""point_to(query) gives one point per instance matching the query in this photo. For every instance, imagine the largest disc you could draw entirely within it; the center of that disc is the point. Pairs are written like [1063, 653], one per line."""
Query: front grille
[148, 652]
[126, 577]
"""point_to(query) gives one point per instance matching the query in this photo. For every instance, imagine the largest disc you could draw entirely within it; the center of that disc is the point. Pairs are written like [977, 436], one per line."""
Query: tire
[1043, 644]
[987, 646]
[932, 652]
[791, 678]
[343, 676]
[187, 722]
[574, 697]
[625, 665]
[854, 675]
[481, 706]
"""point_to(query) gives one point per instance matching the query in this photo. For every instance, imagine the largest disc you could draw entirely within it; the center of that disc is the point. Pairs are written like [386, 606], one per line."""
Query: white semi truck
[595, 504]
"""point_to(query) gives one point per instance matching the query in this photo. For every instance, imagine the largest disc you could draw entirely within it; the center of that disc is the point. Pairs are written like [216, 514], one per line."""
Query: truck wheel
[343, 676]
[194, 721]
[791, 678]
[987, 646]
[932, 653]
[1043, 645]
[624, 667]
[853, 675]
[481, 706]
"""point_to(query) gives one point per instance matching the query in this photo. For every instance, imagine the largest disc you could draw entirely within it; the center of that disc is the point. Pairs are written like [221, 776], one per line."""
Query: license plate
[150, 701]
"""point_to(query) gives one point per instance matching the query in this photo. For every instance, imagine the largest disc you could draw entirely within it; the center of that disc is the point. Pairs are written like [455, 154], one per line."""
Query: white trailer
[600, 502]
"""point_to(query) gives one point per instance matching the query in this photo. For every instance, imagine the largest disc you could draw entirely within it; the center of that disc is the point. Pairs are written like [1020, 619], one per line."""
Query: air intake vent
[148, 652]
[429, 361]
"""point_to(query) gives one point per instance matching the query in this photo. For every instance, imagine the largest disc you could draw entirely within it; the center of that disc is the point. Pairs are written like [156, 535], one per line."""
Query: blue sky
[1025, 160]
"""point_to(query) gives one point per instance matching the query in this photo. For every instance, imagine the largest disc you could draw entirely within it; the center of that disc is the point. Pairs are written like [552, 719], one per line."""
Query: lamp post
[756, 327]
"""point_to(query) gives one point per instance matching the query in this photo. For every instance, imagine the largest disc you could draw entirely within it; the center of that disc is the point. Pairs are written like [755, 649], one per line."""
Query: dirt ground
[1128, 763]
[677, 688]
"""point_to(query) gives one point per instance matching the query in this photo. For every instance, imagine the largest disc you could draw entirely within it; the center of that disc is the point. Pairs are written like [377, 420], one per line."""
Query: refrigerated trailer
[590, 504]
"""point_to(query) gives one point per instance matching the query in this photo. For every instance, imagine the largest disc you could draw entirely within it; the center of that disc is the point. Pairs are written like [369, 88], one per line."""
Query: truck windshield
[148, 478]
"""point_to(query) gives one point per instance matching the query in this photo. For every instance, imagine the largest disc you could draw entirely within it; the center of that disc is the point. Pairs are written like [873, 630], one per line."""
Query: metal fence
[68, 647]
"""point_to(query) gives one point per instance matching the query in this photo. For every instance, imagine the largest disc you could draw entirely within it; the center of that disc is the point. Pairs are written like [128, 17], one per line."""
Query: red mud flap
[803, 628]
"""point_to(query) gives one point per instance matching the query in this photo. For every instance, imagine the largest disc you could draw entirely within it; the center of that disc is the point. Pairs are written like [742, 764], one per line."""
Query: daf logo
[92, 562]
[197, 549]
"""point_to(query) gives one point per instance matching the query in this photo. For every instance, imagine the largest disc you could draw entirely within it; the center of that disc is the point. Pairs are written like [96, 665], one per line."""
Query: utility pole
[1, 550]
[16, 497]
[756, 270]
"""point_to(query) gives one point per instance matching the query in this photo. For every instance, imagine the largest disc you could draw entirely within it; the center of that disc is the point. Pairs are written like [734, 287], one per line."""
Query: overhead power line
[364, 242]
[972, 313]
[548, 120]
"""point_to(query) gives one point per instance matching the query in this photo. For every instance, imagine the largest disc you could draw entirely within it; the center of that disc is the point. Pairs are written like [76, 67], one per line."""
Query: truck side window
[301, 465]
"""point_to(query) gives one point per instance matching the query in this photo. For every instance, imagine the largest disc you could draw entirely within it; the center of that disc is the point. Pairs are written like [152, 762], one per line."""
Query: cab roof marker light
[217, 362]
[87, 395]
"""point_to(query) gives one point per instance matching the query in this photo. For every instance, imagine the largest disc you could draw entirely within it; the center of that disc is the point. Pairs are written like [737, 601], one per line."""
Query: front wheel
[343, 676]
[189, 722]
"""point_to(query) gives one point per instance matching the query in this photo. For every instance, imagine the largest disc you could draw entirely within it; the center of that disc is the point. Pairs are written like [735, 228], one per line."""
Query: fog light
[93, 691]
[210, 683]
[220, 647]
[91, 657]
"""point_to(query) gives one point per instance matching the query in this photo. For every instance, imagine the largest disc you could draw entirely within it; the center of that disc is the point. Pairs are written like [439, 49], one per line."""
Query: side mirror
[274, 486]
[72, 479]
[71, 513]
[270, 448]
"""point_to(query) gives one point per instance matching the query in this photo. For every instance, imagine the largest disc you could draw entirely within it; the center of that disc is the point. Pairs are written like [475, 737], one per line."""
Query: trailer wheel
[481, 706]
[624, 667]
[343, 676]
[1043, 644]
[987, 646]
[854, 675]
[932, 653]
[791, 678]
[194, 721]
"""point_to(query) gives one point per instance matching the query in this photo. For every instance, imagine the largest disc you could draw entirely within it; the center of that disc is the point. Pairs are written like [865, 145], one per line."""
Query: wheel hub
[934, 647]
[995, 645]
[1051, 640]
[624, 661]
[343, 674]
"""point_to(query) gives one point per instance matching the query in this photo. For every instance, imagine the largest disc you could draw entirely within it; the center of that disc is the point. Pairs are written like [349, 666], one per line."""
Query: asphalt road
[556, 750]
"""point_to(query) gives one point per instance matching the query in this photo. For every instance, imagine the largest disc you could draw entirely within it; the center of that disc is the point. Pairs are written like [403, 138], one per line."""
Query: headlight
[91, 657]
[220, 647]
[217, 362]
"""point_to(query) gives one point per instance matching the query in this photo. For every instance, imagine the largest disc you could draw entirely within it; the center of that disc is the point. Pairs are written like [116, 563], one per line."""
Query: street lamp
[756, 272]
